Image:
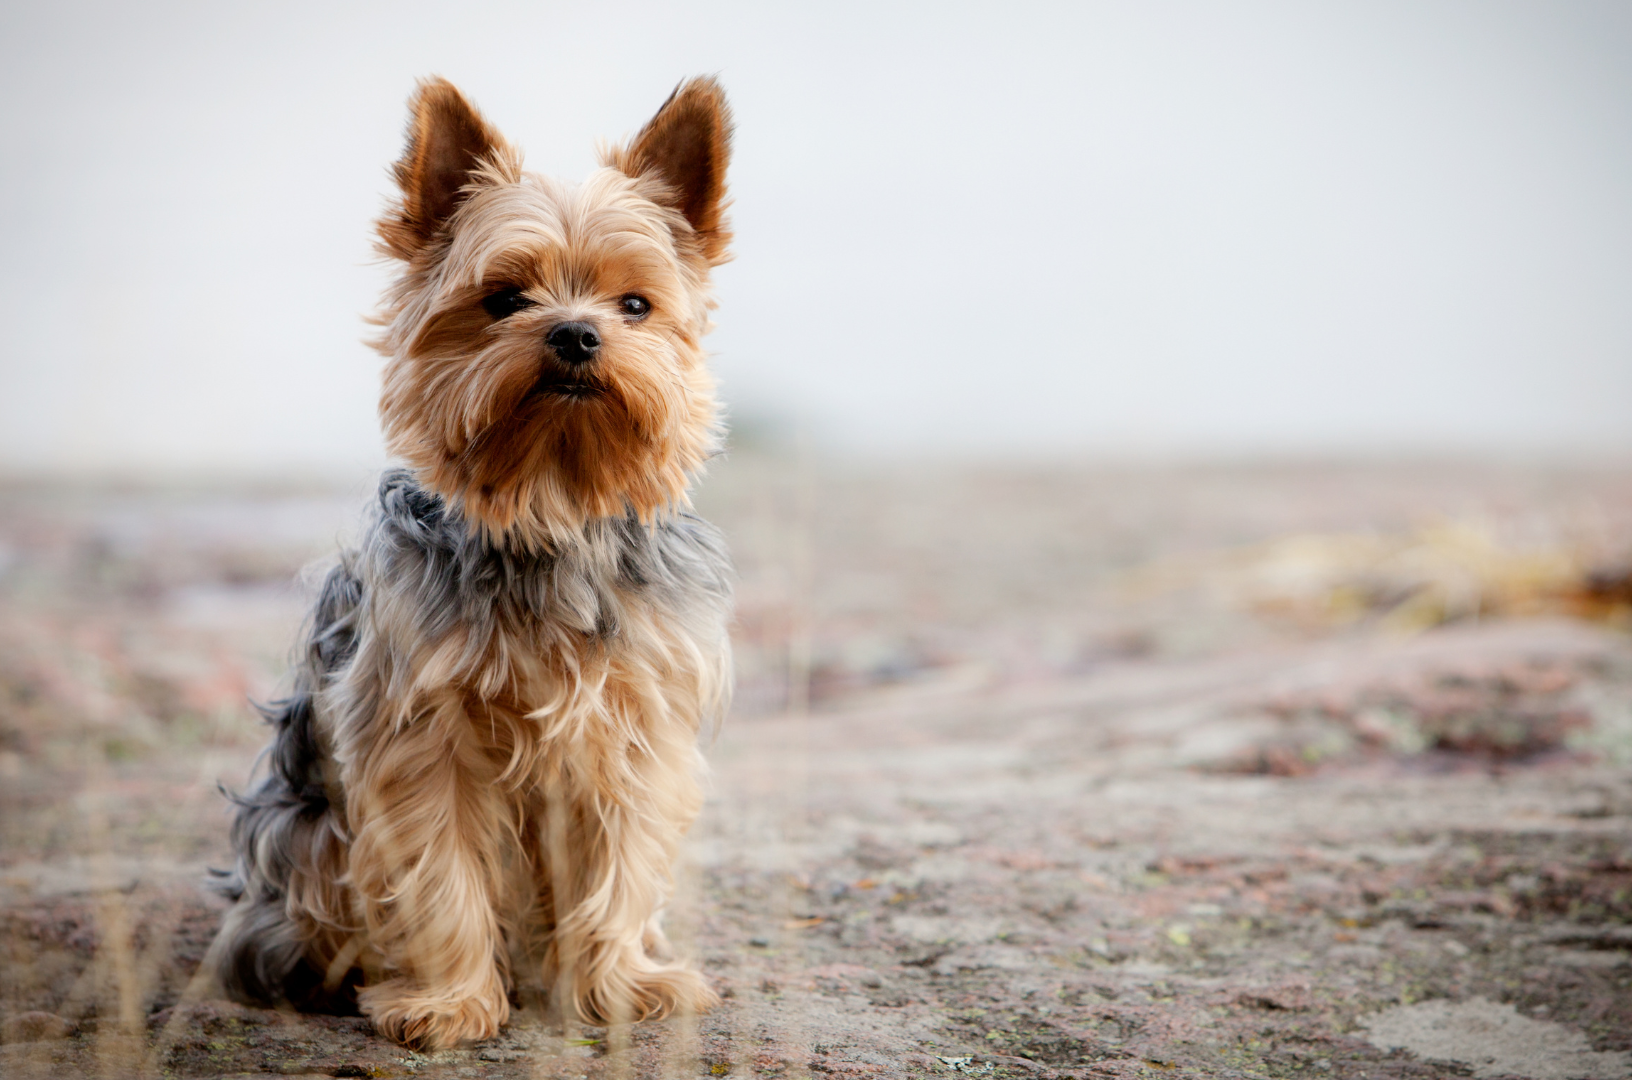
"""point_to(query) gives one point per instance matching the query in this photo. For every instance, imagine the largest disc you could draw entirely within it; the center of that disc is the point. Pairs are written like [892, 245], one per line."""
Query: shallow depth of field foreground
[1100, 772]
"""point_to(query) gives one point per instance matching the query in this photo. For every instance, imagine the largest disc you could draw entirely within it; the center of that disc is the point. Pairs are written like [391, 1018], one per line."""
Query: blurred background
[1181, 480]
[1040, 229]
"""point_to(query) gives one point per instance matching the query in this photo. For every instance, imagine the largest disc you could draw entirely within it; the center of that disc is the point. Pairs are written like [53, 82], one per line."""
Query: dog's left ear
[449, 142]
[687, 147]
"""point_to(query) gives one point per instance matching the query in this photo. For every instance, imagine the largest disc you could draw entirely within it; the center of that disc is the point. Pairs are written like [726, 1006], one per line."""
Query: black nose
[574, 342]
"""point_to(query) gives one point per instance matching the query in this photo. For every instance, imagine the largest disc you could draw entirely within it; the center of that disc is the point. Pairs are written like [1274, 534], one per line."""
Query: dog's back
[289, 835]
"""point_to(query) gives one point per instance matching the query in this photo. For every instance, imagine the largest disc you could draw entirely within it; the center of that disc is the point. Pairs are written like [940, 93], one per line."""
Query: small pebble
[759, 942]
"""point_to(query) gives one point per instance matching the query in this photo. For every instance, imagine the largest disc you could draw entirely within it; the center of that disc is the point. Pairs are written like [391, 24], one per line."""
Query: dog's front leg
[428, 824]
[610, 859]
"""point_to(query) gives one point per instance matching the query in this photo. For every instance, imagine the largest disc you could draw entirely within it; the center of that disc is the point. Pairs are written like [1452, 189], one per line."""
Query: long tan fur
[504, 729]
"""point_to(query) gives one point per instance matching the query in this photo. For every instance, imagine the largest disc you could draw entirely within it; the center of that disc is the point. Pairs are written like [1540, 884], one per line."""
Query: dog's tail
[291, 914]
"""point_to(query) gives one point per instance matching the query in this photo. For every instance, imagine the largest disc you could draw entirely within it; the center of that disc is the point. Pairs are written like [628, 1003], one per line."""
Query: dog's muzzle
[575, 343]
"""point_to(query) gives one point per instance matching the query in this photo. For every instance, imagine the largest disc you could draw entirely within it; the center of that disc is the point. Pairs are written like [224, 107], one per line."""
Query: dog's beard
[535, 448]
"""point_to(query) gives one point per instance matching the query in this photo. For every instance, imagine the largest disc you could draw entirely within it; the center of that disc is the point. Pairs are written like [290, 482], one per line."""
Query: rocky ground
[1240, 771]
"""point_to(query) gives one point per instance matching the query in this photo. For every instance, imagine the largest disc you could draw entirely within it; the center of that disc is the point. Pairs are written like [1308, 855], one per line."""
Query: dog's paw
[681, 991]
[422, 1020]
[652, 993]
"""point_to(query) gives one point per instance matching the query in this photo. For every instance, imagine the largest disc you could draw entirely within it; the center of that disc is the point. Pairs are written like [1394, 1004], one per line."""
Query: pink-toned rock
[35, 1026]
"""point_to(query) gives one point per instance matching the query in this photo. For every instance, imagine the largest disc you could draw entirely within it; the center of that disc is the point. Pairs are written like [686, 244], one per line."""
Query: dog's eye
[636, 307]
[506, 302]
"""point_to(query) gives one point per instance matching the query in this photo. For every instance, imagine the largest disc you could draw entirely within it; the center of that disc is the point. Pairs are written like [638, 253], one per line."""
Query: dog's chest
[624, 593]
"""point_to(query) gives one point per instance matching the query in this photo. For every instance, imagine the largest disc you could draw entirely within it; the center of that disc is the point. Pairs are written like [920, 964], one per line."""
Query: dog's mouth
[553, 384]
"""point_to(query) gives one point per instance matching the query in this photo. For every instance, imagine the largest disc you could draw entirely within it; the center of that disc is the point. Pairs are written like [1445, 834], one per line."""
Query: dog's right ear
[686, 147]
[448, 146]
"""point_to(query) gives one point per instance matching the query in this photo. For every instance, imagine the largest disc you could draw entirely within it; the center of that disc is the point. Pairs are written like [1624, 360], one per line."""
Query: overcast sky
[1052, 228]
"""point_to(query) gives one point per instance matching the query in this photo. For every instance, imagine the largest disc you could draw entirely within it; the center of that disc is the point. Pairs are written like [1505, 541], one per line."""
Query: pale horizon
[1132, 233]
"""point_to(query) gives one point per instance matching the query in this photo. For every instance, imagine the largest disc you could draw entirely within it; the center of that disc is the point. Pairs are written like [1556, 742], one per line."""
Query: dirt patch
[1521, 711]
[1493, 1040]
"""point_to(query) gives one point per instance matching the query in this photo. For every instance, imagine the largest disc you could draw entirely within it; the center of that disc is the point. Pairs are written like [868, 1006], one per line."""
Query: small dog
[491, 752]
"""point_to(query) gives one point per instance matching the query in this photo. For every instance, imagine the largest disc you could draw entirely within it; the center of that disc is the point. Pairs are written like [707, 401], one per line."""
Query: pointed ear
[687, 147]
[447, 140]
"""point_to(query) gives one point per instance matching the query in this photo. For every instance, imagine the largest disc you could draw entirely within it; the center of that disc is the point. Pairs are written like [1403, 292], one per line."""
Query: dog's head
[543, 342]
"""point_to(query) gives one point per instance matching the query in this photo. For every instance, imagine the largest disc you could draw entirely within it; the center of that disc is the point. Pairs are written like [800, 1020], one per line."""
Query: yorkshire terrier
[490, 755]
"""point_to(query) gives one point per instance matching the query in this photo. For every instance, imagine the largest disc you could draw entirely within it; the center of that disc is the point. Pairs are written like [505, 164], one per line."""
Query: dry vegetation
[1116, 772]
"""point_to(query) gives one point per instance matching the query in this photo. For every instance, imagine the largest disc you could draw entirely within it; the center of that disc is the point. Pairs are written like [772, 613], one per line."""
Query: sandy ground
[1243, 771]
